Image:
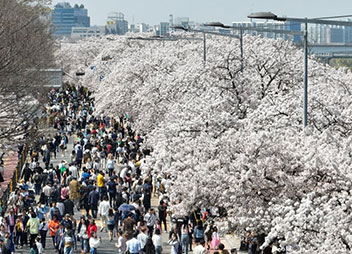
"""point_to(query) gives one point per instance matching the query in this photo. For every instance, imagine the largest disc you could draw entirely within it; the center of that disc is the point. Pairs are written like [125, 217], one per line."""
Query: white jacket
[103, 208]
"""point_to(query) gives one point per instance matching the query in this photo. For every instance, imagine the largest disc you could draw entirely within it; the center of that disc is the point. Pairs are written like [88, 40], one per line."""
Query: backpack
[198, 233]
[51, 176]
[119, 200]
[36, 178]
[110, 164]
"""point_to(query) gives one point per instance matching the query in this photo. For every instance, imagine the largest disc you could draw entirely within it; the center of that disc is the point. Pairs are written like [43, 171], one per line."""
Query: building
[65, 17]
[317, 33]
[141, 28]
[116, 24]
[271, 25]
[181, 21]
[171, 20]
[293, 26]
[164, 29]
[85, 32]
[132, 28]
[335, 35]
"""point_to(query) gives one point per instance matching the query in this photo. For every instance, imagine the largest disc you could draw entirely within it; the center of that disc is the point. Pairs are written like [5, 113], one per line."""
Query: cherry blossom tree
[233, 140]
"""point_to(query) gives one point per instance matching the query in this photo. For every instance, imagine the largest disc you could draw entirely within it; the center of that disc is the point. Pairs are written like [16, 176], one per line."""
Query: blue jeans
[68, 250]
[94, 209]
[84, 245]
[185, 243]
[158, 250]
[93, 251]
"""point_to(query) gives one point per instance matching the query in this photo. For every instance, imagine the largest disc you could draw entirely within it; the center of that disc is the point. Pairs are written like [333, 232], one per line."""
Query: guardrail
[15, 178]
[40, 123]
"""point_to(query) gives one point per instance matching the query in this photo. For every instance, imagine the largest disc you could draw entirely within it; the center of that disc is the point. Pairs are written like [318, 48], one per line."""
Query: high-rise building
[65, 17]
[317, 33]
[141, 28]
[269, 25]
[132, 28]
[335, 35]
[171, 20]
[116, 23]
[181, 21]
[296, 27]
[164, 28]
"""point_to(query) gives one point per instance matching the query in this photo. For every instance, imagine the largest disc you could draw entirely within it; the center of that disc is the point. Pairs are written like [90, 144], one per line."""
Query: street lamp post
[218, 24]
[241, 29]
[204, 38]
[241, 48]
[305, 21]
[305, 76]
[204, 49]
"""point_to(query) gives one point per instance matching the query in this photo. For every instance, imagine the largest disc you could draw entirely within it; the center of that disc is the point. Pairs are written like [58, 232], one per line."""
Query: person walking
[121, 242]
[43, 229]
[142, 237]
[74, 192]
[158, 242]
[185, 237]
[94, 243]
[19, 232]
[33, 226]
[110, 164]
[53, 227]
[199, 249]
[110, 223]
[111, 184]
[149, 247]
[150, 219]
[83, 234]
[91, 227]
[93, 199]
[103, 212]
[133, 245]
[68, 241]
[162, 208]
[175, 244]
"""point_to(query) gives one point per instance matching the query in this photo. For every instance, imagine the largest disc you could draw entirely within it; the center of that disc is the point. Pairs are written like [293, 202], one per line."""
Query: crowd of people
[98, 183]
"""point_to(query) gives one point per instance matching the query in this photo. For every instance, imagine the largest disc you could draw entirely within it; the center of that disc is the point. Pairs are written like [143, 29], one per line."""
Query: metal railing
[14, 180]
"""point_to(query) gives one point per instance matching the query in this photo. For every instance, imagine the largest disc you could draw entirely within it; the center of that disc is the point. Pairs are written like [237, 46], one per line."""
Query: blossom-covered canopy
[233, 140]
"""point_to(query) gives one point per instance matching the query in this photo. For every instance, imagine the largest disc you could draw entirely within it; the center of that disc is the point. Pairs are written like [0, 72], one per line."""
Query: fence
[14, 180]
[39, 124]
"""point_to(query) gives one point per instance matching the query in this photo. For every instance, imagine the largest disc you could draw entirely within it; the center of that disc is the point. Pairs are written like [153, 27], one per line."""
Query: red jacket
[91, 228]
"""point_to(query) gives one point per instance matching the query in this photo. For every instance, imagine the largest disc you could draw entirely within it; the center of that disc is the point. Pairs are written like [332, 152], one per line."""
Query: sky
[226, 11]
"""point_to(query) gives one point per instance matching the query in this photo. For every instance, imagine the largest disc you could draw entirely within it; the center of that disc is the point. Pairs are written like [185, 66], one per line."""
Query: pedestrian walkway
[107, 247]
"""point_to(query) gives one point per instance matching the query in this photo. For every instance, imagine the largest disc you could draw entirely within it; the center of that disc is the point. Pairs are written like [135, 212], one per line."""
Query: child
[157, 225]
[34, 249]
[39, 245]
